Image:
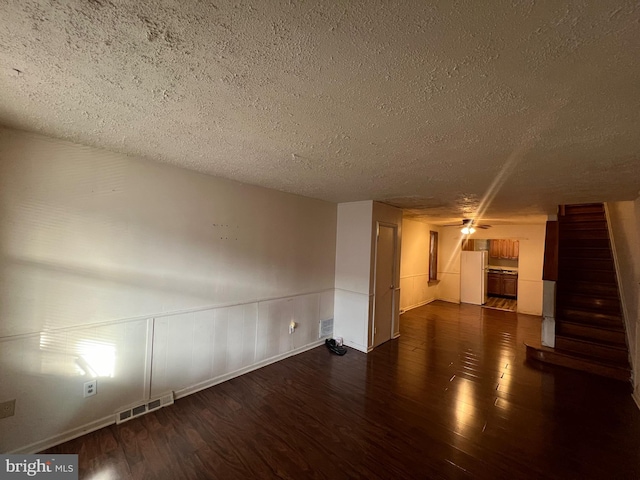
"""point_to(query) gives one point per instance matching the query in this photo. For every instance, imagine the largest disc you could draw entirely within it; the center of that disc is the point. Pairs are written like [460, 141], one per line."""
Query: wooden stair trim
[590, 328]
[589, 317]
[587, 332]
[582, 217]
[600, 234]
[587, 252]
[588, 289]
[551, 356]
[598, 351]
[562, 321]
[588, 301]
[604, 308]
[583, 226]
[595, 343]
[599, 277]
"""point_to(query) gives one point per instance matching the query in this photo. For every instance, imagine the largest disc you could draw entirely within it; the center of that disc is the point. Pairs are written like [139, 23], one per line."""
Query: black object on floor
[334, 347]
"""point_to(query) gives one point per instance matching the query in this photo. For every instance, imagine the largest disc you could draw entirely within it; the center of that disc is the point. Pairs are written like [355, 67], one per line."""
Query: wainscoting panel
[352, 318]
[45, 374]
[415, 291]
[136, 360]
[197, 348]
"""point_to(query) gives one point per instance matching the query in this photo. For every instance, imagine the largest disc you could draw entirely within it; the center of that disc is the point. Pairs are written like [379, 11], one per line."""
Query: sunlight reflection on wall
[60, 355]
[98, 358]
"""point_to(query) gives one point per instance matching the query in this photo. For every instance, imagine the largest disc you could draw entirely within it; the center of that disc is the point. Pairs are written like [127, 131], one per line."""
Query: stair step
[582, 217]
[576, 362]
[585, 252]
[614, 354]
[580, 243]
[602, 264]
[589, 332]
[602, 290]
[588, 302]
[593, 319]
[583, 226]
[577, 235]
[583, 208]
[586, 275]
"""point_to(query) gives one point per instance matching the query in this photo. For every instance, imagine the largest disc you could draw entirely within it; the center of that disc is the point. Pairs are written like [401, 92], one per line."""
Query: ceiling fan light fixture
[468, 230]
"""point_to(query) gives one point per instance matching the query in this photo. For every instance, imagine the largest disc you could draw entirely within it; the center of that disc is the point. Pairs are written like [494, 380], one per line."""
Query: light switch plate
[8, 408]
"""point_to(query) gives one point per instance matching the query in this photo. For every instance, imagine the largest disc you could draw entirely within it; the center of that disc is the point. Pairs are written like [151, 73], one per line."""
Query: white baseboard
[535, 314]
[420, 304]
[356, 346]
[66, 436]
[449, 300]
[228, 376]
[111, 419]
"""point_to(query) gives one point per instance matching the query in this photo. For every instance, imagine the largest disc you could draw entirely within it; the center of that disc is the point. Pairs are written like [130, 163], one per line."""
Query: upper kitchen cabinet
[504, 248]
[515, 249]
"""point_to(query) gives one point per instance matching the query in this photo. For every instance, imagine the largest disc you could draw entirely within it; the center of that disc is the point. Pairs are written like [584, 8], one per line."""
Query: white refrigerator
[473, 277]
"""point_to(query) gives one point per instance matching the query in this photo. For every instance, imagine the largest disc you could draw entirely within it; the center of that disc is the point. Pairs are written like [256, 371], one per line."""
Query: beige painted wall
[530, 263]
[623, 218]
[89, 236]
[353, 271]
[96, 248]
[414, 267]
[636, 363]
[449, 264]
[353, 246]
[625, 226]
[355, 260]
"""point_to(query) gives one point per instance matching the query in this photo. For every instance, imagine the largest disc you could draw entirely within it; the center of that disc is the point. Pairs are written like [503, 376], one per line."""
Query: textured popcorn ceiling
[446, 108]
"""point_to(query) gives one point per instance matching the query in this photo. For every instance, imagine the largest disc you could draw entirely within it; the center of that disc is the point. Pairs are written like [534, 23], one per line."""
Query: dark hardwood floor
[451, 398]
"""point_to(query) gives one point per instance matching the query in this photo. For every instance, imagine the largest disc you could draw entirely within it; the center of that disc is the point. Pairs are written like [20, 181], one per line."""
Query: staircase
[590, 332]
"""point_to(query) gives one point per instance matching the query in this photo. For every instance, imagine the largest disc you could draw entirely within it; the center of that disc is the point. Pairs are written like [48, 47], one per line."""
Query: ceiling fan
[468, 226]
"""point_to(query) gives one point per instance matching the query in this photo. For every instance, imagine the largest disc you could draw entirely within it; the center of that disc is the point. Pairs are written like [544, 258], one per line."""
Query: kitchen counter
[503, 270]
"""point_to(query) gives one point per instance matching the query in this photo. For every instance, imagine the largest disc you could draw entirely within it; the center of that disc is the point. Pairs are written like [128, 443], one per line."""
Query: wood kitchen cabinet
[502, 284]
[493, 284]
[509, 249]
[515, 249]
[509, 285]
[494, 249]
[505, 249]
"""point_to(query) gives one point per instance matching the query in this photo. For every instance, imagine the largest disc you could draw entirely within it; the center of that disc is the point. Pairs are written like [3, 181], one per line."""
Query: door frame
[375, 279]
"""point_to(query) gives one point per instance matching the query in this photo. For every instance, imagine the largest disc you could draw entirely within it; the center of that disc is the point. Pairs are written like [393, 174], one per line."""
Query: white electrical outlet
[90, 388]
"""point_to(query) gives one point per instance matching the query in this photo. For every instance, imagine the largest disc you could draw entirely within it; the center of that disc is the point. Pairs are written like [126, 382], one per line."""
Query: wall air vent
[326, 328]
[141, 409]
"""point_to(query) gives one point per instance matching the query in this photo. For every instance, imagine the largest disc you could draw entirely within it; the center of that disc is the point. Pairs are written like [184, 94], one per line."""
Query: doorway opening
[502, 271]
[384, 288]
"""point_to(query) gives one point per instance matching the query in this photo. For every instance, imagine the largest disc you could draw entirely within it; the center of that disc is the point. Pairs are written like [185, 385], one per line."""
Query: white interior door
[383, 284]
